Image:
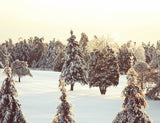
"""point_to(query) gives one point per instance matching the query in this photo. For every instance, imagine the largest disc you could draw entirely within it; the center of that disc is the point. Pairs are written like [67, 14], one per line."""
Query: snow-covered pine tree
[2, 53]
[124, 59]
[103, 69]
[154, 92]
[142, 69]
[74, 68]
[20, 69]
[50, 55]
[149, 51]
[83, 46]
[59, 61]
[10, 110]
[83, 42]
[64, 114]
[134, 100]
[37, 51]
[60, 56]
[139, 53]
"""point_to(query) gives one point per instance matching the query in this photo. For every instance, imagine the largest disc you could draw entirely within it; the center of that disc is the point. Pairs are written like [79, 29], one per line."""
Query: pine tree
[123, 56]
[64, 114]
[154, 92]
[103, 69]
[60, 56]
[142, 69]
[50, 55]
[37, 51]
[59, 61]
[20, 69]
[134, 100]
[139, 53]
[10, 110]
[149, 51]
[83, 46]
[74, 68]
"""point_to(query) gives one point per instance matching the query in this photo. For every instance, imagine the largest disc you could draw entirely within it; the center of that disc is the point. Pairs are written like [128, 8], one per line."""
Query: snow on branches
[20, 68]
[64, 114]
[134, 100]
[74, 68]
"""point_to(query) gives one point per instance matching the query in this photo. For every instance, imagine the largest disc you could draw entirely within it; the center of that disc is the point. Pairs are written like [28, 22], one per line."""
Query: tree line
[102, 59]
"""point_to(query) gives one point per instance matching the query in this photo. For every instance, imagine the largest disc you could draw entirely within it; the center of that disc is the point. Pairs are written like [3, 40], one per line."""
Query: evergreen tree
[134, 100]
[2, 53]
[59, 61]
[10, 110]
[60, 56]
[143, 69]
[37, 51]
[149, 51]
[139, 53]
[74, 68]
[83, 46]
[50, 55]
[124, 59]
[21, 51]
[20, 69]
[154, 92]
[103, 69]
[64, 114]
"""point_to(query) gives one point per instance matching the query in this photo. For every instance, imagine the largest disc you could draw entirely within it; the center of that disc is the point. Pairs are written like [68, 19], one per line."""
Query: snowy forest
[99, 62]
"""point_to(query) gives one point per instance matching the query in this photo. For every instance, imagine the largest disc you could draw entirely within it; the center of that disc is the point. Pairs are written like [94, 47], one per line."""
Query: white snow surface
[39, 95]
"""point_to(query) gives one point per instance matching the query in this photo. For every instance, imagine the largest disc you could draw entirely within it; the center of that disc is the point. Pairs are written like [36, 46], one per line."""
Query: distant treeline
[51, 55]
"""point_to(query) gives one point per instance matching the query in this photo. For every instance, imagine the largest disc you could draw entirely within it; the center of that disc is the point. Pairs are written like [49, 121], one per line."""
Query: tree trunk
[102, 90]
[72, 86]
[19, 79]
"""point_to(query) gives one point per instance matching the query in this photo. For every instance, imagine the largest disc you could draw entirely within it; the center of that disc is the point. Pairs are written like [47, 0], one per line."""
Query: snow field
[39, 95]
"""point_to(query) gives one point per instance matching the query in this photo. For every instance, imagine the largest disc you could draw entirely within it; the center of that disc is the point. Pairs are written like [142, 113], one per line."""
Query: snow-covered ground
[39, 95]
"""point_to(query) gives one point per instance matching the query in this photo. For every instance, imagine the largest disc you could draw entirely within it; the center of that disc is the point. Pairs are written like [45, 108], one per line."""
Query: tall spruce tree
[64, 114]
[74, 68]
[103, 69]
[134, 100]
[10, 110]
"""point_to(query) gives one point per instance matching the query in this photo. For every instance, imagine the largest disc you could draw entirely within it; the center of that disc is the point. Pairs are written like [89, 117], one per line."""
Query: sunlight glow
[133, 20]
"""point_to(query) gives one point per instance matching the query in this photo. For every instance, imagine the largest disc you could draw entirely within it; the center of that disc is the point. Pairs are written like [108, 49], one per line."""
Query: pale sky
[137, 20]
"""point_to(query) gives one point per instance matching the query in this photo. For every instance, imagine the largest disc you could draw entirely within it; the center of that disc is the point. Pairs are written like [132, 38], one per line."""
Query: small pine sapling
[64, 114]
[134, 100]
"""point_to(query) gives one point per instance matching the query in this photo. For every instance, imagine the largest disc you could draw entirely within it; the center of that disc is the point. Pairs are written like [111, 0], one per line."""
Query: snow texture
[38, 97]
